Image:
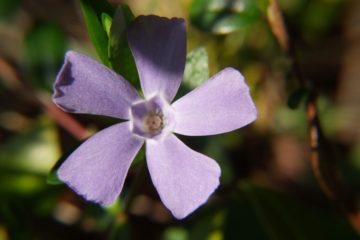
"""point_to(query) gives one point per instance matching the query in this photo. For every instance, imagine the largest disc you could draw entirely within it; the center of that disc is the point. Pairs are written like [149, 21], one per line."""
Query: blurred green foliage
[8, 8]
[45, 46]
[267, 190]
[224, 16]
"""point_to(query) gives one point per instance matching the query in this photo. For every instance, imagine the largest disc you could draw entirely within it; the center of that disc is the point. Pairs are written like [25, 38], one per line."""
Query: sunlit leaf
[196, 71]
[106, 21]
[196, 68]
[223, 16]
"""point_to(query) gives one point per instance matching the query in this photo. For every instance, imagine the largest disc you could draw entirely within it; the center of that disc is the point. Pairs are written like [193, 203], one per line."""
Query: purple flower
[183, 178]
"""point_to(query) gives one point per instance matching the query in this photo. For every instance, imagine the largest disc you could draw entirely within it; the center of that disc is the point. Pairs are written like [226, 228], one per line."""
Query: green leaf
[53, 179]
[196, 71]
[92, 11]
[196, 68]
[223, 16]
[139, 158]
[121, 58]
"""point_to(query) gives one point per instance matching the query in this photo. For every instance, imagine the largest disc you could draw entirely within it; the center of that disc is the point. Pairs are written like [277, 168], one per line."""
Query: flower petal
[222, 104]
[97, 169]
[183, 178]
[86, 86]
[159, 48]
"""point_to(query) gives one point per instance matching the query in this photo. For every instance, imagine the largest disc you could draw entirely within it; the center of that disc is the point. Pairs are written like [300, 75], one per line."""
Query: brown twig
[65, 120]
[14, 81]
[321, 160]
[314, 142]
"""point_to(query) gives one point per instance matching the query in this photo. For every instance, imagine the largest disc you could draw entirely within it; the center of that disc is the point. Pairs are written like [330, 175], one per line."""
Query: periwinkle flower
[183, 178]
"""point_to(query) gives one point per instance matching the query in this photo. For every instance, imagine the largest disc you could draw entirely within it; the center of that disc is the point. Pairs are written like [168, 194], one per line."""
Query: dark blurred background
[268, 189]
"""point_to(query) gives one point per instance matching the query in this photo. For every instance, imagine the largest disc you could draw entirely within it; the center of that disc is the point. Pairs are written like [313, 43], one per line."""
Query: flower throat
[153, 121]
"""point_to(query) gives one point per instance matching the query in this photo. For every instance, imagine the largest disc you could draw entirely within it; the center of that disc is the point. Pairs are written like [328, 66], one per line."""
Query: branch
[321, 157]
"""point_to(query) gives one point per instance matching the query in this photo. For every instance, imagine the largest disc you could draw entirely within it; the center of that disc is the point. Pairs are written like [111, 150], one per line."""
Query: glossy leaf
[121, 58]
[196, 71]
[196, 68]
[223, 16]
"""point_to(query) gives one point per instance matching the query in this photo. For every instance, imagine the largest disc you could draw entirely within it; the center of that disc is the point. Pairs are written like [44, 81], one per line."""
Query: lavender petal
[183, 178]
[222, 104]
[159, 48]
[86, 86]
[97, 169]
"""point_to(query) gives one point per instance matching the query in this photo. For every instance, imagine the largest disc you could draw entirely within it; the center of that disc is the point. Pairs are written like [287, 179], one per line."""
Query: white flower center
[152, 118]
[153, 121]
